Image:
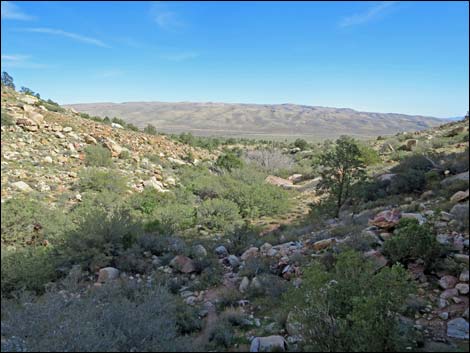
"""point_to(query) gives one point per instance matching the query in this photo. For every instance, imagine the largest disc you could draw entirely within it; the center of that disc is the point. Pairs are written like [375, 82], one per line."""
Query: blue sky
[405, 57]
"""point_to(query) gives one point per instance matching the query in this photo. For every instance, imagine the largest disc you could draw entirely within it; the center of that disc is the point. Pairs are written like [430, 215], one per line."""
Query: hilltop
[259, 120]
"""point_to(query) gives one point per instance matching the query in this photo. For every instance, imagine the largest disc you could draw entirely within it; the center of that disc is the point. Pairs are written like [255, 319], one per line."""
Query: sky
[402, 57]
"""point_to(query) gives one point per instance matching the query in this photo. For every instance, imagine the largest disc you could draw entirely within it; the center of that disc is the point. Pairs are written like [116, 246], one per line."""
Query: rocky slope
[258, 121]
[43, 151]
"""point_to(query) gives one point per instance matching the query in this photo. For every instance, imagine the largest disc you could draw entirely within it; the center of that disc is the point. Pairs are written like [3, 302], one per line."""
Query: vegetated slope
[258, 120]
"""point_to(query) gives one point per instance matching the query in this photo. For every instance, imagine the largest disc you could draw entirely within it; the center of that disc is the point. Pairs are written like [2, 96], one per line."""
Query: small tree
[7, 80]
[301, 143]
[343, 165]
[28, 91]
[150, 129]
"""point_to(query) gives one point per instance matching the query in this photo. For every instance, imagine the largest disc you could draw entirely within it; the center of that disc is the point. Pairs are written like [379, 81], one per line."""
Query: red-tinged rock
[386, 219]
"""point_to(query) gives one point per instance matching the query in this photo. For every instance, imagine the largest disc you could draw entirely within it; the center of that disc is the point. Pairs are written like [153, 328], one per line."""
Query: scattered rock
[22, 186]
[244, 284]
[221, 250]
[268, 344]
[462, 288]
[199, 251]
[386, 219]
[108, 274]
[233, 261]
[448, 282]
[458, 328]
[251, 252]
[183, 264]
[460, 196]
[277, 181]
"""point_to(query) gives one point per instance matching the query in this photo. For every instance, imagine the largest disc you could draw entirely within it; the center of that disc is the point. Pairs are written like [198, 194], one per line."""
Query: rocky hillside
[209, 251]
[258, 121]
[44, 150]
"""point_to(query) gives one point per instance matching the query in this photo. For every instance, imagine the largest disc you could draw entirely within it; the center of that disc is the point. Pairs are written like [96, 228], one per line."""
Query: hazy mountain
[258, 120]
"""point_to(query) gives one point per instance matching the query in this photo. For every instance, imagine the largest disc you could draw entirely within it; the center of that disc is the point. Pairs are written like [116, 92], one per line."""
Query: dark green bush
[411, 242]
[350, 307]
[97, 156]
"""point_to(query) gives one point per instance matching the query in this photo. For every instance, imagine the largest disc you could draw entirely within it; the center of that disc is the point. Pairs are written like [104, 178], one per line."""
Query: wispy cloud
[180, 56]
[165, 18]
[11, 11]
[70, 35]
[371, 14]
[20, 61]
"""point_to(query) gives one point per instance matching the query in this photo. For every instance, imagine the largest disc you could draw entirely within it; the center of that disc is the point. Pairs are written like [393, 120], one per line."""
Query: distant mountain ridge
[259, 120]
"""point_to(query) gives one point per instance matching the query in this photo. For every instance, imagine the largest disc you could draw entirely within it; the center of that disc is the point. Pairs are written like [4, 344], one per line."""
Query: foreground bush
[29, 268]
[349, 307]
[113, 318]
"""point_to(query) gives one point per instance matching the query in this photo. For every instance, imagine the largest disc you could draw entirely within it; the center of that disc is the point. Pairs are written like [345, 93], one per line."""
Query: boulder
[251, 252]
[462, 288]
[277, 181]
[458, 328]
[458, 177]
[460, 196]
[293, 327]
[108, 274]
[323, 244]
[233, 261]
[462, 258]
[113, 147]
[295, 178]
[464, 276]
[377, 258]
[386, 177]
[221, 250]
[448, 282]
[268, 344]
[386, 219]
[244, 284]
[153, 183]
[22, 186]
[183, 264]
[116, 126]
[199, 251]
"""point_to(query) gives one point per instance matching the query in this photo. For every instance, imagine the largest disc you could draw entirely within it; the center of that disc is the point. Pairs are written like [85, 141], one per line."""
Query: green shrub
[112, 318]
[368, 155]
[229, 161]
[219, 215]
[27, 268]
[101, 236]
[102, 180]
[172, 218]
[350, 307]
[222, 335]
[411, 242]
[26, 221]
[301, 143]
[97, 156]
[7, 120]
[150, 129]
